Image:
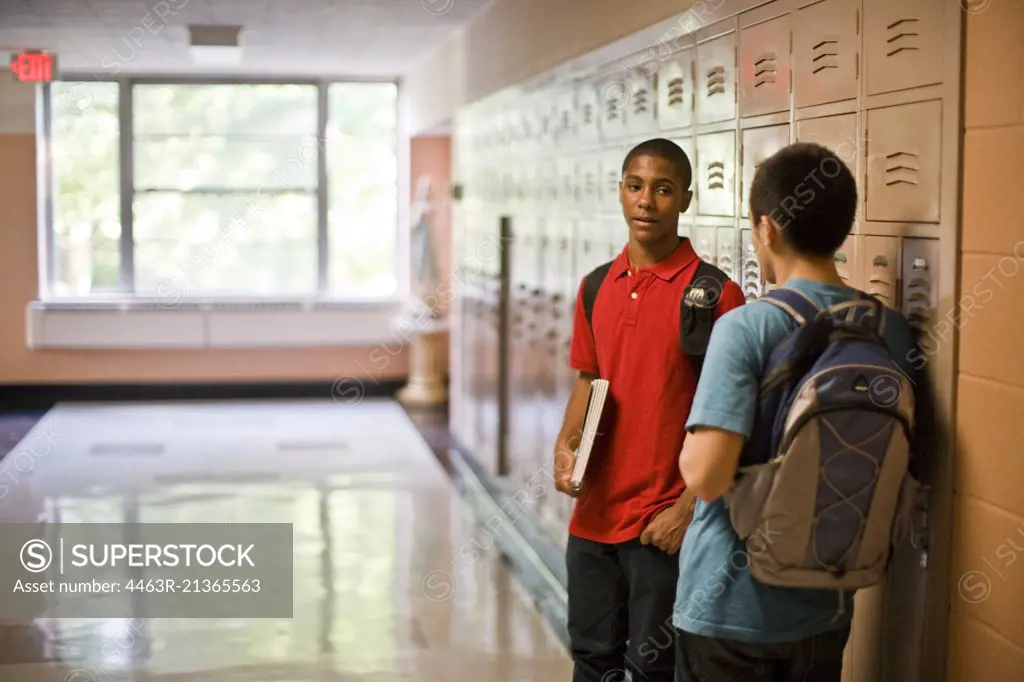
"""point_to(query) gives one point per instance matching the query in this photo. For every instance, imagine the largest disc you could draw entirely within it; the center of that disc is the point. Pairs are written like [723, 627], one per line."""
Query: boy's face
[652, 197]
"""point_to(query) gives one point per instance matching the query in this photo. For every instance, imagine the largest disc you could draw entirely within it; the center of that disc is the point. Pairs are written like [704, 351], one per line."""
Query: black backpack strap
[591, 283]
[697, 312]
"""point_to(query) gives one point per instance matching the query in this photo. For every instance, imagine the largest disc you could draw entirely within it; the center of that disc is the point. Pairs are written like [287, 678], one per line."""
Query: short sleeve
[726, 396]
[732, 298]
[583, 351]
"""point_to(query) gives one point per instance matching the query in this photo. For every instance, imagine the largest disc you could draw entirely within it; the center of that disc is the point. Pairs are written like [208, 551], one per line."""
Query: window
[225, 190]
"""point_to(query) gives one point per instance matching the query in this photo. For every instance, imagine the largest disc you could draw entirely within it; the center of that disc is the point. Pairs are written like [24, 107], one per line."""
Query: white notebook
[595, 404]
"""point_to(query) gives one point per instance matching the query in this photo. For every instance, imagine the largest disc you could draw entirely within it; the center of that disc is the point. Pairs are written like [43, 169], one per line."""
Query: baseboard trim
[532, 553]
[43, 396]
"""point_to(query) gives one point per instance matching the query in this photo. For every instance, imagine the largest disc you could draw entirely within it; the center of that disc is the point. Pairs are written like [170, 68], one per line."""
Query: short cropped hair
[811, 194]
[663, 149]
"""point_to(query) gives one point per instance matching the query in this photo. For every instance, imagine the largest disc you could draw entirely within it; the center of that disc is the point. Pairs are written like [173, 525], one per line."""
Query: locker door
[848, 262]
[716, 79]
[716, 175]
[920, 297]
[676, 91]
[613, 98]
[704, 242]
[750, 270]
[590, 185]
[904, 145]
[903, 44]
[764, 71]
[588, 113]
[881, 268]
[641, 103]
[725, 253]
[825, 53]
[611, 173]
[758, 145]
[689, 147]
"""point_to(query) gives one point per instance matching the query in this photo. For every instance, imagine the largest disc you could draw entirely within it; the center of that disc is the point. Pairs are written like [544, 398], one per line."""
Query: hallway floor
[393, 579]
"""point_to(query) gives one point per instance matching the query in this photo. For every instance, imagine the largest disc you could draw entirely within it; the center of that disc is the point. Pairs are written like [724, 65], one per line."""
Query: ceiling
[279, 37]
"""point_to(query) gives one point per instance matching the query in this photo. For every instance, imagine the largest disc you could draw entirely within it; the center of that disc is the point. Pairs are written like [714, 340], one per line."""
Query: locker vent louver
[640, 100]
[716, 81]
[716, 175]
[588, 114]
[675, 92]
[919, 296]
[903, 35]
[826, 55]
[765, 70]
[898, 172]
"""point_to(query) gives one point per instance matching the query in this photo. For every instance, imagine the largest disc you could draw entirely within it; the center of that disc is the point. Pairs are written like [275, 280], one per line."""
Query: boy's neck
[820, 270]
[644, 256]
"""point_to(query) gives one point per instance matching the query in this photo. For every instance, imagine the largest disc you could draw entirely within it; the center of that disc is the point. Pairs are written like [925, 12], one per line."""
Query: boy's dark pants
[707, 659]
[621, 598]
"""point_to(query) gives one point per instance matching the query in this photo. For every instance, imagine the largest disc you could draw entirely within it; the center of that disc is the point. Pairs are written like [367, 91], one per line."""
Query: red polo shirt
[634, 473]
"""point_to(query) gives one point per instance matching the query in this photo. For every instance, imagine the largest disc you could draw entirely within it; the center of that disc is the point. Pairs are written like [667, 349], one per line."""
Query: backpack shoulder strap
[697, 312]
[795, 304]
[591, 283]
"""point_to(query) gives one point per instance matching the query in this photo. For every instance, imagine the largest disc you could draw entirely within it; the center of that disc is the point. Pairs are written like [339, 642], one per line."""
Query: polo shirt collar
[667, 268]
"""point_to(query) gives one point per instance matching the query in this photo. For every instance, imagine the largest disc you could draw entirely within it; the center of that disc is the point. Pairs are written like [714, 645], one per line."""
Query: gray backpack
[824, 489]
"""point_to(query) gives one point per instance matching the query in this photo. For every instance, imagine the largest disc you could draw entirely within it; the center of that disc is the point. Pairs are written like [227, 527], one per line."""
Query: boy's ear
[684, 201]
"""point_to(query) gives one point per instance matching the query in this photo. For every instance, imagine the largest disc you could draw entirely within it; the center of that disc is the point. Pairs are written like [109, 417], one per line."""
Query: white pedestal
[427, 386]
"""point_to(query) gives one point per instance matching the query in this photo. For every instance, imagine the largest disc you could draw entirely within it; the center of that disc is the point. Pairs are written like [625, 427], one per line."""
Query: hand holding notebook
[595, 405]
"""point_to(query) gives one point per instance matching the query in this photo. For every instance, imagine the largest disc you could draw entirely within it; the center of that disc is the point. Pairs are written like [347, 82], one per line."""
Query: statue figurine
[424, 261]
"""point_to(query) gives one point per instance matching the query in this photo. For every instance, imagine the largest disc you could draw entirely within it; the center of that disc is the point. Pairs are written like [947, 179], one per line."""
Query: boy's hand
[565, 460]
[667, 528]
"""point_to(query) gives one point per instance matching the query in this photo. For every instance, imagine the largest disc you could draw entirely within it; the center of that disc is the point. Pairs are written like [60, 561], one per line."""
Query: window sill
[208, 324]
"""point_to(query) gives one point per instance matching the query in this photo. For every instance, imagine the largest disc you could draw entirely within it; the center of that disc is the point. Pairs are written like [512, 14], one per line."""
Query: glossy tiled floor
[393, 580]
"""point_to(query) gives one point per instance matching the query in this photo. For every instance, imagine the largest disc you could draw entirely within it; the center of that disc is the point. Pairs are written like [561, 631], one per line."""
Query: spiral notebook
[595, 405]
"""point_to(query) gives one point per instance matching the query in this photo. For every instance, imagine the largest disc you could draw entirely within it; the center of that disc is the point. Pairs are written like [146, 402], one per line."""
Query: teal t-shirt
[717, 596]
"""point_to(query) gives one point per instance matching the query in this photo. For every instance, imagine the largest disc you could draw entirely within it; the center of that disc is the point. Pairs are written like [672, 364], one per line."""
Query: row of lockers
[767, 61]
[898, 156]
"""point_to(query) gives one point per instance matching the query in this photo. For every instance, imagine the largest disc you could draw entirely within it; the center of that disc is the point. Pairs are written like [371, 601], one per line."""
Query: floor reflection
[393, 580]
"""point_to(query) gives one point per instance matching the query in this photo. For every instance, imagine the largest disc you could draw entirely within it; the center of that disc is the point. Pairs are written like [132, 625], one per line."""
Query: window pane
[362, 172]
[215, 244]
[216, 169]
[86, 180]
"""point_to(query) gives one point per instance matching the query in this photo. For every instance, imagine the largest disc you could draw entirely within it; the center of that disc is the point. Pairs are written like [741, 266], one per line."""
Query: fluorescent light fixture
[215, 45]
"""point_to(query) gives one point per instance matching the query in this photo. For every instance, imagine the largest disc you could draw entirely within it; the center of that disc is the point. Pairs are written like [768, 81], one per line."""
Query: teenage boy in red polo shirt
[632, 510]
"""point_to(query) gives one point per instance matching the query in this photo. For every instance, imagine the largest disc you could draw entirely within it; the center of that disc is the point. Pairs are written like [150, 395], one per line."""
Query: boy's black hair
[810, 193]
[663, 149]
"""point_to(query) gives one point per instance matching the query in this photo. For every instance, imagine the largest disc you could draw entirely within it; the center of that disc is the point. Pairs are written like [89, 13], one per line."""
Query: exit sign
[33, 66]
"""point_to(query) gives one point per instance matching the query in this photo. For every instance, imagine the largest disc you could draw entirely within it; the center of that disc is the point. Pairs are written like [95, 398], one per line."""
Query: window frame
[127, 290]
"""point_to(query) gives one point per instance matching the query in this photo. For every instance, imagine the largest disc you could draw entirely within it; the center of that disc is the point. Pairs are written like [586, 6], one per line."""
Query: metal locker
[750, 269]
[640, 118]
[568, 178]
[688, 146]
[565, 125]
[903, 44]
[848, 262]
[590, 184]
[704, 242]
[920, 290]
[838, 133]
[716, 174]
[881, 267]
[904, 151]
[758, 145]
[588, 113]
[611, 174]
[764, 69]
[613, 100]
[676, 91]
[725, 251]
[825, 53]
[716, 79]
